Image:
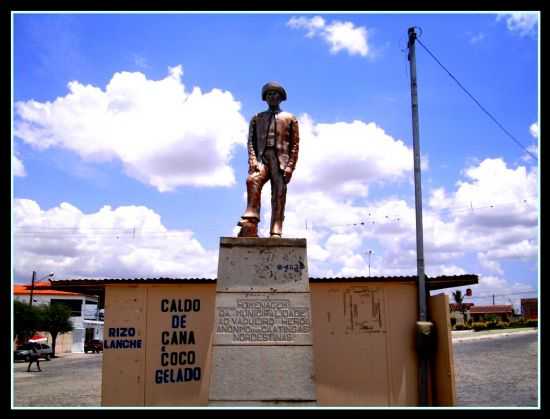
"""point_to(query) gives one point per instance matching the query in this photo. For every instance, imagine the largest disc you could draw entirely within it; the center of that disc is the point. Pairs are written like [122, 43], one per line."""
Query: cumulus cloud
[534, 130]
[489, 264]
[340, 36]
[523, 24]
[17, 166]
[494, 211]
[500, 225]
[345, 157]
[506, 196]
[476, 38]
[533, 149]
[127, 241]
[164, 135]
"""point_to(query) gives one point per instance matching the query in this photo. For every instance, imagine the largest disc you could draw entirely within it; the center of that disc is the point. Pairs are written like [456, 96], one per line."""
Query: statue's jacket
[287, 138]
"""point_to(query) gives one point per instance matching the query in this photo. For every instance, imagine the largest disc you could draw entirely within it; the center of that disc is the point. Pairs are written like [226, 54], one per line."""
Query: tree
[54, 319]
[459, 299]
[26, 320]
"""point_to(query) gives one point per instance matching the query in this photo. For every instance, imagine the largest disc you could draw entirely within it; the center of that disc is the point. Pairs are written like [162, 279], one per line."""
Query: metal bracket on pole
[32, 286]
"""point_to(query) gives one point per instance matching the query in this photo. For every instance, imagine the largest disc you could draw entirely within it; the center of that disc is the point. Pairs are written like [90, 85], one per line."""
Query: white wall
[78, 322]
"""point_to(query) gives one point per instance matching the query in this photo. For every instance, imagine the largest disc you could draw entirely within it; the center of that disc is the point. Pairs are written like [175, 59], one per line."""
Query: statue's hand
[287, 174]
[254, 167]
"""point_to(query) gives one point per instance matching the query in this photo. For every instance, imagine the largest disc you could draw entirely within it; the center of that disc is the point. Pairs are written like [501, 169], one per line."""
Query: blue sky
[129, 134]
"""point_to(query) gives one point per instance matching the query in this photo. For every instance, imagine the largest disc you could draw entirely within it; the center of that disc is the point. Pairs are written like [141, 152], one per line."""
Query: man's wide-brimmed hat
[273, 85]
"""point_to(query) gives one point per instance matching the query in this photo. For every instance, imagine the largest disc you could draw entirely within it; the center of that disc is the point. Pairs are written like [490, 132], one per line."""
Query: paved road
[493, 371]
[70, 380]
[497, 371]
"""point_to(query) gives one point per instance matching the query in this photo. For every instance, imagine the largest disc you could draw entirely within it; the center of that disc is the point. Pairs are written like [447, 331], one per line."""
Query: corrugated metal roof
[438, 282]
[362, 278]
[95, 281]
[433, 283]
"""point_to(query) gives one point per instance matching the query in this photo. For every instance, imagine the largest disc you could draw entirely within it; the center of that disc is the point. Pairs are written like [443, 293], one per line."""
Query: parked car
[24, 351]
[94, 345]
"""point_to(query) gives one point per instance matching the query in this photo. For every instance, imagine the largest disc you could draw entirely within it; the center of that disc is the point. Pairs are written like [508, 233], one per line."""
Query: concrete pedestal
[262, 352]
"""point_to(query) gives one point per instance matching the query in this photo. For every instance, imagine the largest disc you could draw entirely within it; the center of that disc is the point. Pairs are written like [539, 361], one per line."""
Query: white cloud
[476, 38]
[140, 61]
[534, 130]
[17, 166]
[339, 35]
[343, 227]
[503, 196]
[505, 292]
[490, 265]
[523, 24]
[313, 25]
[128, 241]
[524, 249]
[533, 148]
[494, 212]
[344, 36]
[345, 157]
[164, 135]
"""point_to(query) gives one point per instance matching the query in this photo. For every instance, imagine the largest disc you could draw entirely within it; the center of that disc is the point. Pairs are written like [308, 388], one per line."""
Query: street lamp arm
[50, 275]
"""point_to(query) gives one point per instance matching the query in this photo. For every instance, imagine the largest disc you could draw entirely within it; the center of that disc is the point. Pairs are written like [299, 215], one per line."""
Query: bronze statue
[273, 139]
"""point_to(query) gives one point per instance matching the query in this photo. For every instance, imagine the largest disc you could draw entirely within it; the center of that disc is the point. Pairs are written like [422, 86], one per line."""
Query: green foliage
[492, 324]
[458, 297]
[490, 318]
[532, 323]
[517, 323]
[26, 320]
[462, 327]
[497, 324]
[55, 320]
[477, 326]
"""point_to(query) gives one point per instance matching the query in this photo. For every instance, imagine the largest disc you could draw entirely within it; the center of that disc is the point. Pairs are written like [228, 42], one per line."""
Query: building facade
[459, 315]
[85, 314]
[529, 308]
[503, 313]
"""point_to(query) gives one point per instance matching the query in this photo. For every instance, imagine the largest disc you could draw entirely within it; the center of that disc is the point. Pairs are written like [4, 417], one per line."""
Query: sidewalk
[462, 335]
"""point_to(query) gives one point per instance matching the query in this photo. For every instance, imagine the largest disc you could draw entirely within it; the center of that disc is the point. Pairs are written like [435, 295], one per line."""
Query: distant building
[86, 318]
[456, 314]
[529, 308]
[502, 312]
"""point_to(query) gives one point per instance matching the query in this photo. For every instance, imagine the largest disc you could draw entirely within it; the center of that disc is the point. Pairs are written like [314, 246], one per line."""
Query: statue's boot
[249, 227]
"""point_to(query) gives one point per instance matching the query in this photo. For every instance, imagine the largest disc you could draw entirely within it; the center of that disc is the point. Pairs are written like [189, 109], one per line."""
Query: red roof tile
[455, 306]
[40, 288]
[491, 309]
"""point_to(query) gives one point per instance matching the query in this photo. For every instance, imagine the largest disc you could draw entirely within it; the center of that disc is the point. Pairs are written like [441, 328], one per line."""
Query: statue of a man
[273, 140]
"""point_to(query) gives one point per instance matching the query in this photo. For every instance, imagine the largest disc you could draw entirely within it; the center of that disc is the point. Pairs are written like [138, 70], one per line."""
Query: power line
[136, 232]
[53, 231]
[502, 295]
[477, 102]
[472, 208]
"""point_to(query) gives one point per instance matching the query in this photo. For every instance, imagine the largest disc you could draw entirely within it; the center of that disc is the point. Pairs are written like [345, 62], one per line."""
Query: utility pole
[32, 283]
[32, 286]
[493, 299]
[424, 328]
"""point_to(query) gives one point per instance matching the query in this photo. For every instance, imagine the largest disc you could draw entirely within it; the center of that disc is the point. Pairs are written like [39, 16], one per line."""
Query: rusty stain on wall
[363, 309]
